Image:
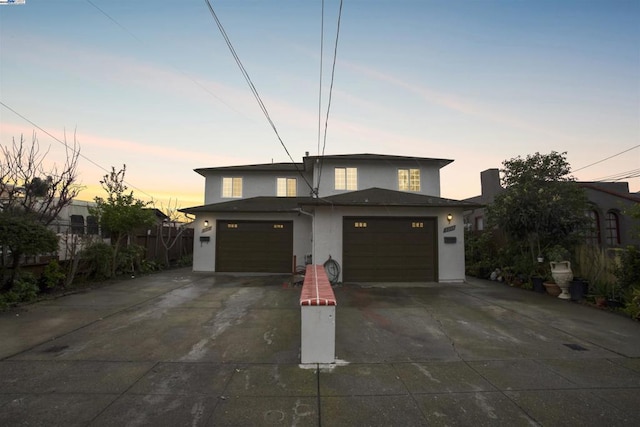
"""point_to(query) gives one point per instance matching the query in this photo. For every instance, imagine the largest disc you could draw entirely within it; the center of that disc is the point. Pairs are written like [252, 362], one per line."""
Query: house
[608, 202]
[380, 217]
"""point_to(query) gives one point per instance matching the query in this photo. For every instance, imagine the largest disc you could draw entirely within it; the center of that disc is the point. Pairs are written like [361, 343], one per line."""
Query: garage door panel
[389, 249]
[254, 246]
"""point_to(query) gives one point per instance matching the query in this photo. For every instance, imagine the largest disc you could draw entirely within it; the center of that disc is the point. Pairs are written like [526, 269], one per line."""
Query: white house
[380, 217]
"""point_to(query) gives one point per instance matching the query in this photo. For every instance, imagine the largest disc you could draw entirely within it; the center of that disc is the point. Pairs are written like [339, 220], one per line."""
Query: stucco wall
[382, 174]
[254, 184]
[204, 254]
[328, 232]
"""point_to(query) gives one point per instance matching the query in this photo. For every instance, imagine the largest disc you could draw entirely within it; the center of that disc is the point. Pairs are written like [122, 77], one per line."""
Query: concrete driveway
[178, 348]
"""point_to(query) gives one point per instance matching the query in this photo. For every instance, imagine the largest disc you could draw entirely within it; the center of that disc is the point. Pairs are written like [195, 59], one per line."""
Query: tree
[541, 206]
[24, 235]
[120, 213]
[26, 187]
[173, 228]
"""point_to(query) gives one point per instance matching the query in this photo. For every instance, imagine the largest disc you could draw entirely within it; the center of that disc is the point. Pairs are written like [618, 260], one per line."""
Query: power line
[620, 176]
[172, 66]
[77, 152]
[253, 89]
[610, 157]
[333, 72]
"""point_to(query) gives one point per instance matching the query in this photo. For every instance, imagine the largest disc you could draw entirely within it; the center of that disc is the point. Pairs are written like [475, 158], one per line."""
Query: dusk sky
[152, 84]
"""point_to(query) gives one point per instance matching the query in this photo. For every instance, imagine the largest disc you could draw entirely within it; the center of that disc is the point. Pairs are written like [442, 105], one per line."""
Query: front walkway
[178, 348]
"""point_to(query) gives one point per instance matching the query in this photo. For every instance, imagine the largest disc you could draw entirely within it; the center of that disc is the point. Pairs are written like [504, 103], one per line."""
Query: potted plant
[561, 269]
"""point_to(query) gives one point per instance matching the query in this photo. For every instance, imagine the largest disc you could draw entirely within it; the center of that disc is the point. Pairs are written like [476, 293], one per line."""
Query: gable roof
[599, 187]
[382, 197]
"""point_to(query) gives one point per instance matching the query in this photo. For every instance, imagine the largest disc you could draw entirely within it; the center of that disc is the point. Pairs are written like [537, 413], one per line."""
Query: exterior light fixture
[206, 223]
[449, 218]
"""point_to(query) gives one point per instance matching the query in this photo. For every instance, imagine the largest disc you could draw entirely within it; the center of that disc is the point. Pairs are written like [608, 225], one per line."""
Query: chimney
[490, 182]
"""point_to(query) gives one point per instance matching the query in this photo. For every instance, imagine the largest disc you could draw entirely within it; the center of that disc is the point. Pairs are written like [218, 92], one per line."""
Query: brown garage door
[254, 246]
[383, 249]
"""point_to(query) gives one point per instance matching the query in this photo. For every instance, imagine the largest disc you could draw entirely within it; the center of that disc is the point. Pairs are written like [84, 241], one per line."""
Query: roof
[370, 197]
[599, 187]
[377, 157]
[383, 197]
[269, 167]
[253, 204]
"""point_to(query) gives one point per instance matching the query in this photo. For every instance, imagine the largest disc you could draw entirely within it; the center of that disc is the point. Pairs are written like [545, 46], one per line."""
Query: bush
[130, 259]
[98, 257]
[25, 288]
[52, 276]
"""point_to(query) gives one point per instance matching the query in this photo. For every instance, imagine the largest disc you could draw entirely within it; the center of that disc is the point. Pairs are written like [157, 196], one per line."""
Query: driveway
[182, 348]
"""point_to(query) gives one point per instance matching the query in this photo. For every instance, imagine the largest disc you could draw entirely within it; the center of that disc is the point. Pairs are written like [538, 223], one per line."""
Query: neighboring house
[380, 217]
[75, 227]
[608, 202]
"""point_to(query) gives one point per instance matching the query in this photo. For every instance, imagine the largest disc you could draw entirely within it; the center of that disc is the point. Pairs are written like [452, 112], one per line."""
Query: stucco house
[608, 201]
[380, 217]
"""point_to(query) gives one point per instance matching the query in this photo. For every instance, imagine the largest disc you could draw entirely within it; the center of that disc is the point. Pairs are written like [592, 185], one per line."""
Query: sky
[151, 84]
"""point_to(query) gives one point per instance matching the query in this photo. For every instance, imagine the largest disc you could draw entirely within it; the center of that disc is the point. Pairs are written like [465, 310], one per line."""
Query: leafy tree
[120, 213]
[541, 205]
[27, 187]
[24, 236]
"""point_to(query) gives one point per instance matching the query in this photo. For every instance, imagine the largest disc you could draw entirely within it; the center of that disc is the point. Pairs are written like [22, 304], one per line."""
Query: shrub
[52, 276]
[98, 256]
[130, 259]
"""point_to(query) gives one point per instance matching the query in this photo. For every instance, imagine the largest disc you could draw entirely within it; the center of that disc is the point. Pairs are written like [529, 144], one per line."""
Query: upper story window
[77, 224]
[92, 225]
[593, 233]
[286, 187]
[409, 179]
[346, 179]
[612, 225]
[232, 187]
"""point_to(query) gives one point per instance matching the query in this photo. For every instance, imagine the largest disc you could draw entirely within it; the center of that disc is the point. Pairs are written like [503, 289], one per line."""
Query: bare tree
[170, 230]
[28, 188]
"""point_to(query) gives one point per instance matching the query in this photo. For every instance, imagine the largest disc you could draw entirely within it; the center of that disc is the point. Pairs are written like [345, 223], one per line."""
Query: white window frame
[286, 187]
[409, 180]
[346, 178]
[232, 187]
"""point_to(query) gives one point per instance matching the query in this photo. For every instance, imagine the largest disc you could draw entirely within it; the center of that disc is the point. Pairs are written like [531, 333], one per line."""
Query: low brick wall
[318, 317]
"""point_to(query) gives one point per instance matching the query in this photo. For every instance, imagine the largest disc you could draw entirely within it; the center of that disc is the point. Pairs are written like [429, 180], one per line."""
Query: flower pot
[562, 275]
[578, 289]
[552, 289]
[538, 284]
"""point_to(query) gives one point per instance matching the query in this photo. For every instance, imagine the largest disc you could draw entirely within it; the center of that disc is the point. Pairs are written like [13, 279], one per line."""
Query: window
[593, 232]
[232, 187]
[612, 229]
[409, 179]
[346, 178]
[286, 187]
[92, 225]
[77, 224]
[479, 223]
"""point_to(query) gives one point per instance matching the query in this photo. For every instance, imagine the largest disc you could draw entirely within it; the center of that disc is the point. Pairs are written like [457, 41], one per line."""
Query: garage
[254, 246]
[389, 249]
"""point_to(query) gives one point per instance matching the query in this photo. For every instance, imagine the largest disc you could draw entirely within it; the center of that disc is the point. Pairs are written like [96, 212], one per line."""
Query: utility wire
[620, 176]
[253, 89]
[175, 68]
[333, 72]
[610, 157]
[75, 151]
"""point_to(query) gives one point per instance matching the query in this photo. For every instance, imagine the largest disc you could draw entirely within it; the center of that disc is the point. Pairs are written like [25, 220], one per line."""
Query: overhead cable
[610, 157]
[75, 151]
[253, 89]
[333, 72]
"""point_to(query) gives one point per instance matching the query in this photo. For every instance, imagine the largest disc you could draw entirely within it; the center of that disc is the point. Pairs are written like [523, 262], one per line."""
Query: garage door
[254, 246]
[383, 249]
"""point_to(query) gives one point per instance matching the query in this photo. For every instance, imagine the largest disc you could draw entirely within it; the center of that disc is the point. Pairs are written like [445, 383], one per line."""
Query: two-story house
[380, 217]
